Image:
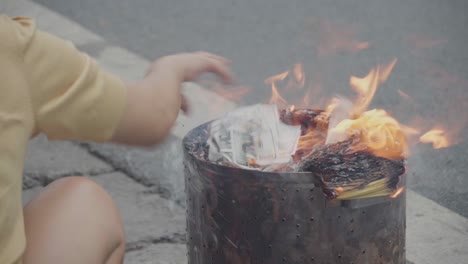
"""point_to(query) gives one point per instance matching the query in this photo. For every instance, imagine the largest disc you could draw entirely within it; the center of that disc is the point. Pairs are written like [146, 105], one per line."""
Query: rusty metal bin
[237, 216]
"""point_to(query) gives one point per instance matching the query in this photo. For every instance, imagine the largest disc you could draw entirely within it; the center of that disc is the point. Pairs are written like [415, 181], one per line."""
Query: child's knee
[79, 187]
[82, 190]
[78, 208]
[88, 198]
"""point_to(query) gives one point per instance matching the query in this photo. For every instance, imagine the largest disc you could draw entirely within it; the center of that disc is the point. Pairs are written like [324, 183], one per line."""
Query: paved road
[264, 37]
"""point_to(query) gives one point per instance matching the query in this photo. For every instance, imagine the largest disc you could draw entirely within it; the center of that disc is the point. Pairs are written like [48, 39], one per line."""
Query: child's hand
[153, 104]
[191, 65]
[188, 66]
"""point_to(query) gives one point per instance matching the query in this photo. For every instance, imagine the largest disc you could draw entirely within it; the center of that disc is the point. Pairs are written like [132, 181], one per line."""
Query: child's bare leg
[73, 220]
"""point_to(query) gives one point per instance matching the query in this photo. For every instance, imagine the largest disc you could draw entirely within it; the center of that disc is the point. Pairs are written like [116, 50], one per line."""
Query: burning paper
[355, 152]
[261, 137]
[253, 137]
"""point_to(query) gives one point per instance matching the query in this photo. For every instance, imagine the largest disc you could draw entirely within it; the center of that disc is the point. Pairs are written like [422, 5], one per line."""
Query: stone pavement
[147, 184]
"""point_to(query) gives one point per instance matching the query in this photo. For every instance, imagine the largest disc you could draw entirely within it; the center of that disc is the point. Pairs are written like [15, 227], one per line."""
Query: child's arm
[153, 104]
[72, 98]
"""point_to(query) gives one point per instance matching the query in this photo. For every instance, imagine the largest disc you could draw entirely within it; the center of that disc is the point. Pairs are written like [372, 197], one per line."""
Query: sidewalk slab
[158, 254]
[434, 234]
[48, 160]
[159, 168]
[438, 174]
[49, 21]
[146, 216]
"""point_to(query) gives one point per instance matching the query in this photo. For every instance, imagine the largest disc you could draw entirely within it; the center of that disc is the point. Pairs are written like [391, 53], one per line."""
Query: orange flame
[409, 131]
[397, 192]
[378, 132]
[308, 141]
[367, 86]
[307, 100]
[422, 42]
[437, 137]
[337, 37]
[275, 95]
[299, 75]
[278, 77]
[404, 95]
[235, 93]
[228, 92]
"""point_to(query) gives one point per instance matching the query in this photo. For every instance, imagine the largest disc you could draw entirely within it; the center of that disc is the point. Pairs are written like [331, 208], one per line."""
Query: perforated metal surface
[237, 216]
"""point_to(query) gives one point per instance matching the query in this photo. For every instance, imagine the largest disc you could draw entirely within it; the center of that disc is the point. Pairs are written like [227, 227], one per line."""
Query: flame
[378, 132]
[299, 75]
[339, 189]
[278, 77]
[397, 192]
[416, 42]
[231, 93]
[367, 86]
[404, 95]
[308, 141]
[372, 130]
[275, 95]
[437, 137]
[307, 100]
[337, 37]
[334, 103]
[409, 131]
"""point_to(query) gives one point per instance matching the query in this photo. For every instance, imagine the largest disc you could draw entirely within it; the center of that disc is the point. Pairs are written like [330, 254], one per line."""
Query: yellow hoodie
[46, 86]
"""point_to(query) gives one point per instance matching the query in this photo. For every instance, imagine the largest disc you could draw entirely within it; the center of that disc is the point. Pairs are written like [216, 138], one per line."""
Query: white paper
[253, 133]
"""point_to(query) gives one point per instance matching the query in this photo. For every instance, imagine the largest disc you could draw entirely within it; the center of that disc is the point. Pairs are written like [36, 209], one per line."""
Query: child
[48, 87]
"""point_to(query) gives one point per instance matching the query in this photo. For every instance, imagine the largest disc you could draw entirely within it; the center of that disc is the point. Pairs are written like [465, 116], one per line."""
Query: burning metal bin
[238, 216]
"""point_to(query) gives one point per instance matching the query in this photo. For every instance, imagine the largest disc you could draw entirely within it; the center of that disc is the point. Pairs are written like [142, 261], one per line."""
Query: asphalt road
[265, 37]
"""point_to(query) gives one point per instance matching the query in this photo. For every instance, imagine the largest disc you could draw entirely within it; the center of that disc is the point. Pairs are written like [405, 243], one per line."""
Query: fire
[397, 192]
[338, 37]
[420, 42]
[278, 77]
[378, 132]
[275, 96]
[299, 75]
[308, 141]
[409, 131]
[231, 93]
[307, 98]
[437, 137]
[367, 86]
[339, 189]
[369, 130]
[404, 95]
